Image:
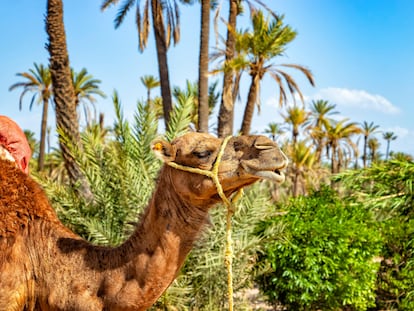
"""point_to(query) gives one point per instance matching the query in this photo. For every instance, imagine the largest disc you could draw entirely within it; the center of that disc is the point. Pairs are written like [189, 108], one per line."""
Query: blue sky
[360, 52]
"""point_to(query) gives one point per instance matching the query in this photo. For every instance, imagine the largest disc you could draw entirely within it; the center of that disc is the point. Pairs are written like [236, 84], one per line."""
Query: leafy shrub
[387, 189]
[327, 258]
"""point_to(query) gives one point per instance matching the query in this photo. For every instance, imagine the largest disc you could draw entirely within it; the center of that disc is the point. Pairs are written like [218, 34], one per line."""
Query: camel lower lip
[277, 177]
[274, 176]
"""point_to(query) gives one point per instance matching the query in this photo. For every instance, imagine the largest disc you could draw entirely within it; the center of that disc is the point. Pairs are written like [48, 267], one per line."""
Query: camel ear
[163, 150]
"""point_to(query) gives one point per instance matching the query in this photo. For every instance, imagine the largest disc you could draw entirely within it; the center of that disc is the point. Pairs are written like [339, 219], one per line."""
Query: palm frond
[122, 12]
[180, 117]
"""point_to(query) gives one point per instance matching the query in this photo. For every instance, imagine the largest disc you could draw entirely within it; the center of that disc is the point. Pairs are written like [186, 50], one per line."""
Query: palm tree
[191, 92]
[166, 26]
[318, 121]
[339, 134]
[226, 113]
[86, 86]
[296, 117]
[203, 109]
[302, 158]
[150, 82]
[267, 40]
[64, 93]
[373, 145]
[273, 129]
[388, 136]
[367, 130]
[39, 82]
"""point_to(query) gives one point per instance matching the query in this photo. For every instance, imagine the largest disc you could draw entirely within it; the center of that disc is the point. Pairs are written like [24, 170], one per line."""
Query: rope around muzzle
[213, 174]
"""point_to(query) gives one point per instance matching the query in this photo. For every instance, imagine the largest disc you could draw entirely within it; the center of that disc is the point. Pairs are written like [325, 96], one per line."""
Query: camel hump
[21, 201]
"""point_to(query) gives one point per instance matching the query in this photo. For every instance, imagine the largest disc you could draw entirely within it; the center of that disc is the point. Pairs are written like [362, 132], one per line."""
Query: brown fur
[45, 266]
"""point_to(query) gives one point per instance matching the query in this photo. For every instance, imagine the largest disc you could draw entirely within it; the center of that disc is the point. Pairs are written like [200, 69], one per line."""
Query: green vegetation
[387, 190]
[327, 256]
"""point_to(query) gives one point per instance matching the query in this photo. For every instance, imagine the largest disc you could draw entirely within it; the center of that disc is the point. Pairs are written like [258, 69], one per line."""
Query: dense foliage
[115, 167]
[327, 257]
[387, 190]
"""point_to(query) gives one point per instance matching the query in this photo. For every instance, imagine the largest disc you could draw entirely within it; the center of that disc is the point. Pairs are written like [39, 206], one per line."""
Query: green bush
[387, 189]
[327, 259]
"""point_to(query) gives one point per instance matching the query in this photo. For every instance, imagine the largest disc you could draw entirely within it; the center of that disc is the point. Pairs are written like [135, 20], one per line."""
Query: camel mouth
[272, 174]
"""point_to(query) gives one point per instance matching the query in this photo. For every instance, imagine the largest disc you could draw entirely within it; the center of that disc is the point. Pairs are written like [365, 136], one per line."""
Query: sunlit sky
[361, 53]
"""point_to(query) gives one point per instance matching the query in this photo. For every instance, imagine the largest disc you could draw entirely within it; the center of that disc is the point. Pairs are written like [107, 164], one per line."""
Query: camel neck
[170, 219]
[161, 241]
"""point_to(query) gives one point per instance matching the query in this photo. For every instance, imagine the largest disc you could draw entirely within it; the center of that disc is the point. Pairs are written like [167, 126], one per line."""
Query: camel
[45, 266]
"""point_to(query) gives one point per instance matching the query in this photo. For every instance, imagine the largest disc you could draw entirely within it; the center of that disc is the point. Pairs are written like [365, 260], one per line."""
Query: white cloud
[359, 99]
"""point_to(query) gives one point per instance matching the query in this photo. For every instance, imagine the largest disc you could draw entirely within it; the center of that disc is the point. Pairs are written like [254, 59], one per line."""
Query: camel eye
[238, 146]
[202, 154]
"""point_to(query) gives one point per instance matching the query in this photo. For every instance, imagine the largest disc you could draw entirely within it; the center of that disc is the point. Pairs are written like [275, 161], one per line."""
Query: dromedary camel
[45, 266]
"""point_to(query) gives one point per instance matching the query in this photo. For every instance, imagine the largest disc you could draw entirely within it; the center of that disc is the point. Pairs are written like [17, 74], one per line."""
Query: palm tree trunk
[226, 113]
[43, 129]
[318, 151]
[334, 162]
[163, 71]
[387, 153]
[203, 109]
[64, 94]
[364, 157]
[251, 103]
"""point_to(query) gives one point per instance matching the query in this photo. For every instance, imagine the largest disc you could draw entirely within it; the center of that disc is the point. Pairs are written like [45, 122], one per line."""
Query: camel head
[244, 160]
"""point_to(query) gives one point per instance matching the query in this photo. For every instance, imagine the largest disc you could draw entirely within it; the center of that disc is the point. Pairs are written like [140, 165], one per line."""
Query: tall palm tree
[295, 117]
[367, 130]
[268, 40]
[339, 138]
[203, 109]
[86, 86]
[273, 129]
[64, 93]
[39, 82]
[166, 26]
[226, 112]
[388, 136]
[318, 122]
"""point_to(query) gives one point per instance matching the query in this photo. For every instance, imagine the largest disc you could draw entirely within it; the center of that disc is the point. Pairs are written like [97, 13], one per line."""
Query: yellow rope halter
[213, 174]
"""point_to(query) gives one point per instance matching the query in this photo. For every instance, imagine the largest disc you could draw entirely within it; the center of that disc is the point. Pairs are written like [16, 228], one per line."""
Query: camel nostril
[263, 146]
[264, 143]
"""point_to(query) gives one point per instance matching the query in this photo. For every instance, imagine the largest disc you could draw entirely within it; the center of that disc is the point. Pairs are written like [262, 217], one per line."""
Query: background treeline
[337, 235]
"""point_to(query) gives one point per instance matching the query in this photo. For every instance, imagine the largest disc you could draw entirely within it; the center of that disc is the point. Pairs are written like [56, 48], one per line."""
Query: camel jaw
[273, 174]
